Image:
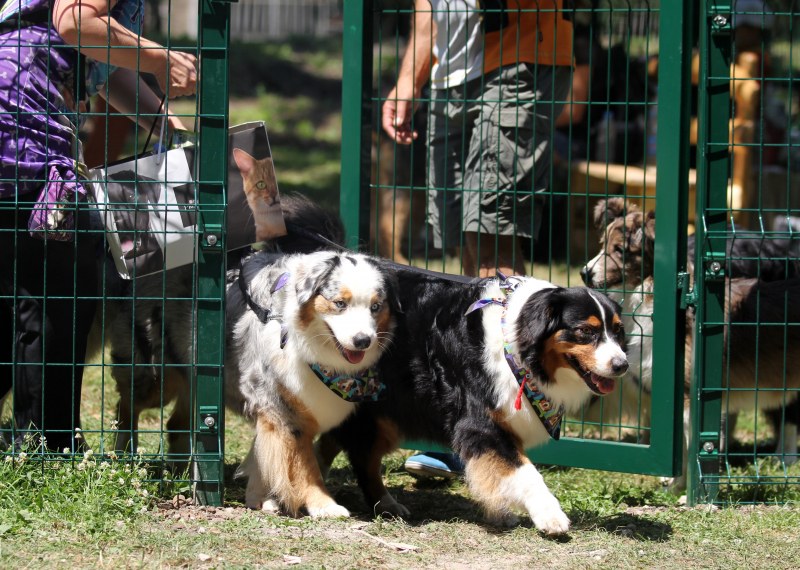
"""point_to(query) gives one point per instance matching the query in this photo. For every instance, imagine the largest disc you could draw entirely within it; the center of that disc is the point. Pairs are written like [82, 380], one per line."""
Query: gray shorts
[489, 145]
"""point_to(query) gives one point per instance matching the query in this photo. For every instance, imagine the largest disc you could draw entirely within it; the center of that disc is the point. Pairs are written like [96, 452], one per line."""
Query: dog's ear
[608, 210]
[392, 289]
[634, 231]
[313, 277]
[649, 230]
[539, 319]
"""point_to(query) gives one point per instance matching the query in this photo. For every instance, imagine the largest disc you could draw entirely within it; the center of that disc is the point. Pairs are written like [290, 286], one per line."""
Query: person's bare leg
[510, 259]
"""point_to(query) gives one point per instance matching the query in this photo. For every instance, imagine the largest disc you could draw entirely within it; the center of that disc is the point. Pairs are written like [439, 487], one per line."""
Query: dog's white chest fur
[638, 321]
[328, 409]
[525, 423]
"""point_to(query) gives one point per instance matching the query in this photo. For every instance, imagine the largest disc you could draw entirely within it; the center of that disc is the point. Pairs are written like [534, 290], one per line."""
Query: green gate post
[357, 101]
[677, 23]
[713, 165]
[212, 161]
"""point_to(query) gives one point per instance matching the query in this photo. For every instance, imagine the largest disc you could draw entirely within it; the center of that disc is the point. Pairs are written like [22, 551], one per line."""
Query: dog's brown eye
[616, 328]
[585, 333]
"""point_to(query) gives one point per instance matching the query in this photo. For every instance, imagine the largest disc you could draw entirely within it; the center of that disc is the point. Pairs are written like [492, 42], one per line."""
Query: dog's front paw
[270, 506]
[675, 485]
[503, 519]
[550, 519]
[388, 505]
[266, 505]
[332, 511]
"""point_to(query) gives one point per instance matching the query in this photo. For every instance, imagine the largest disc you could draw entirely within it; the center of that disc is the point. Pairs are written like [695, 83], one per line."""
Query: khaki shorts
[490, 146]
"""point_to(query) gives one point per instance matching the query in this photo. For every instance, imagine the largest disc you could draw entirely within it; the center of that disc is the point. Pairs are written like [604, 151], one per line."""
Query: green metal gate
[90, 426]
[747, 200]
[383, 195]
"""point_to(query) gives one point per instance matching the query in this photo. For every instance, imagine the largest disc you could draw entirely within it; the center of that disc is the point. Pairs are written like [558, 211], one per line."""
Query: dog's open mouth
[351, 356]
[600, 385]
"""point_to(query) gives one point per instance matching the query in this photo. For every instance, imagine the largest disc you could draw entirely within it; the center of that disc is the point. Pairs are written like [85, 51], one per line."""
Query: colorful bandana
[549, 415]
[364, 386]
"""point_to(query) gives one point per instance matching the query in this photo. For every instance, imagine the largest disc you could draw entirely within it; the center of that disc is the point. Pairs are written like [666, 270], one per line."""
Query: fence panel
[745, 409]
[599, 152]
[96, 363]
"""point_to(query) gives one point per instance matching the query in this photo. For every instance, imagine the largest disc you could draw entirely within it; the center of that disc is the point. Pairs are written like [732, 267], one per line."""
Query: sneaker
[434, 464]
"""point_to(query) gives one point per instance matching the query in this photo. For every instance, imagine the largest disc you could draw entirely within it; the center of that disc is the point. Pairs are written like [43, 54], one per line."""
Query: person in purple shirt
[48, 256]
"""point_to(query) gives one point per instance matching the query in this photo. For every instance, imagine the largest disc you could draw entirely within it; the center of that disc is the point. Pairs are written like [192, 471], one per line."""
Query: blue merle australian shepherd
[304, 330]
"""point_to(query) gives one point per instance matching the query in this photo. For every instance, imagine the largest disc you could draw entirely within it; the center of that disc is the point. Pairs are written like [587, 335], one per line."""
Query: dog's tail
[309, 227]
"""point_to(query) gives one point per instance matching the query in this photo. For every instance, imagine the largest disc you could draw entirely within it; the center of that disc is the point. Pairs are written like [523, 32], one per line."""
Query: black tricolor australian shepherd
[487, 368]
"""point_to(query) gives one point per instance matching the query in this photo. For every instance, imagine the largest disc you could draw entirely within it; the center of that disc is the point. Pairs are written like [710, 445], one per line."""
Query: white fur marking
[527, 489]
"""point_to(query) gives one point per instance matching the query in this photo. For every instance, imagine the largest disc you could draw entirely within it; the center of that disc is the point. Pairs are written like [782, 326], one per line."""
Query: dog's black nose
[361, 341]
[619, 365]
[585, 275]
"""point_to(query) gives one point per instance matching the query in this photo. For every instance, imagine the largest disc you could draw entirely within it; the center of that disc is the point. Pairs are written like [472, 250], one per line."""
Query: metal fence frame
[709, 465]
[206, 425]
[209, 430]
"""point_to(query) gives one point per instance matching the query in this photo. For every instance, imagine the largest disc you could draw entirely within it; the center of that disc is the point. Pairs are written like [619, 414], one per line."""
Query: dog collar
[264, 315]
[548, 414]
[364, 386]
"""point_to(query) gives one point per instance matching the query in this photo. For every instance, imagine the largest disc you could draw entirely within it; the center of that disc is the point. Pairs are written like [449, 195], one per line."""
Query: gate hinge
[212, 237]
[688, 295]
[720, 19]
[709, 446]
[209, 419]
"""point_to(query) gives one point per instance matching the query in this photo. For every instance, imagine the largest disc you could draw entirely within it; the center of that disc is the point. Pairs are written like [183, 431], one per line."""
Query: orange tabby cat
[261, 190]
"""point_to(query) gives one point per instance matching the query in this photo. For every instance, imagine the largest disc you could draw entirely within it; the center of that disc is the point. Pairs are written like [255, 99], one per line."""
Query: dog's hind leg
[326, 449]
[365, 449]
[176, 386]
[127, 425]
[127, 422]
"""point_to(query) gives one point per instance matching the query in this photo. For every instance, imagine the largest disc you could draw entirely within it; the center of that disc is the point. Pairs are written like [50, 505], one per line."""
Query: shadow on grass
[627, 525]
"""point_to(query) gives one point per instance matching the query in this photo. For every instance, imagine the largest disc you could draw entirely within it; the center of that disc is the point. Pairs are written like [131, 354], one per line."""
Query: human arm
[414, 74]
[132, 96]
[88, 25]
[574, 112]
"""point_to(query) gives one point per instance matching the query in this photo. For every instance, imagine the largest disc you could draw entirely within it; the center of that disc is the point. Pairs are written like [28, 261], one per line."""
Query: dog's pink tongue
[604, 385]
[354, 356]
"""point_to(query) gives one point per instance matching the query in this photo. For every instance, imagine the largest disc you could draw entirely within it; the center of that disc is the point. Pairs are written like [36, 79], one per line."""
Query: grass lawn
[87, 516]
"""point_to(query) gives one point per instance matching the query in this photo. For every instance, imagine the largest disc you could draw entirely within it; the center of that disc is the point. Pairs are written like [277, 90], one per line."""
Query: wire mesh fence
[744, 447]
[100, 221]
[510, 167]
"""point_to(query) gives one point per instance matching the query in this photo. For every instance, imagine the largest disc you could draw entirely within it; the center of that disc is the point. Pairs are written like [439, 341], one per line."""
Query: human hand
[179, 72]
[396, 118]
